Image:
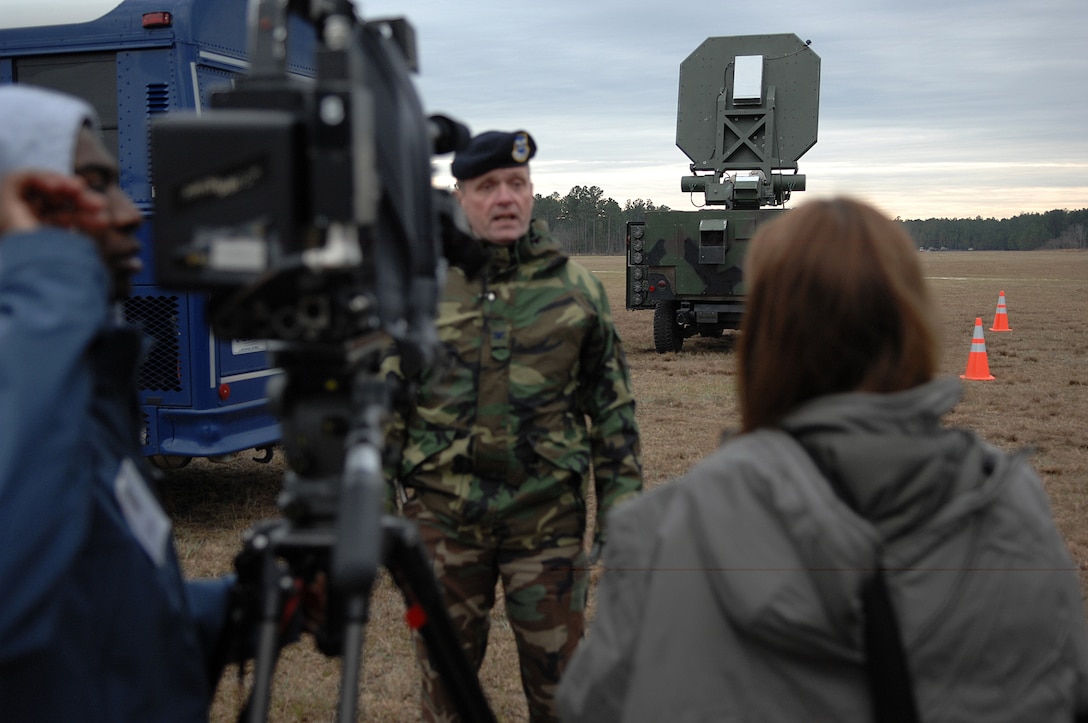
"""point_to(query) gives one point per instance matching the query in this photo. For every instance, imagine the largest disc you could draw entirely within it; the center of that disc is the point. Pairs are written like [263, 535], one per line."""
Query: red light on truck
[157, 20]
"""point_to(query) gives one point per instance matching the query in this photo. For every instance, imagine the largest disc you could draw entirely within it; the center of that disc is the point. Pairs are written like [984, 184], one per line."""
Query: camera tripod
[333, 501]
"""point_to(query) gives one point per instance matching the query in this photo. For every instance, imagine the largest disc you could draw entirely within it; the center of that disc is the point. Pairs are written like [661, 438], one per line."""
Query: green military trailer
[747, 109]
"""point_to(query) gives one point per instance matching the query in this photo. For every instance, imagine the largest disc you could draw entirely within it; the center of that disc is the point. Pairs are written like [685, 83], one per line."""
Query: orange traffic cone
[977, 366]
[1001, 318]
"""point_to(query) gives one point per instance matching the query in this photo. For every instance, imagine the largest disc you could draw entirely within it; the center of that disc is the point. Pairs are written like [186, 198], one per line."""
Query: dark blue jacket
[96, 622]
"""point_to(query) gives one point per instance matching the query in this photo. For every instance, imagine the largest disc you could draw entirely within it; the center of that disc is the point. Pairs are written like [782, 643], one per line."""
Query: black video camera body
[305, 206]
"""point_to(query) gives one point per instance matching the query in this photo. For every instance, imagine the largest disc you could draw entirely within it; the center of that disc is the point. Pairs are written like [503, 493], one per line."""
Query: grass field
[1039, 400]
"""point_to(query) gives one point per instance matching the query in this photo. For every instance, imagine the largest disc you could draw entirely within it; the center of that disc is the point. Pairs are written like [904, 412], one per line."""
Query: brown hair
[836, 303]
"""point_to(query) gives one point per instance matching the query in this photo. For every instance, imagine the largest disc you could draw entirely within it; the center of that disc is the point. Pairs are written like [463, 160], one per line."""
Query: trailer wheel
[668, 336]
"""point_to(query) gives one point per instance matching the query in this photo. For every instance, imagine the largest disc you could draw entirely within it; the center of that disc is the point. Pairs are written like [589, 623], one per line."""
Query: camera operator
[496, 449]
[97, 623]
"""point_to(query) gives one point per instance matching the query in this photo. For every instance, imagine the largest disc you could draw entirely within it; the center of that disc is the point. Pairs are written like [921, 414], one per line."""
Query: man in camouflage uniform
[498, 444]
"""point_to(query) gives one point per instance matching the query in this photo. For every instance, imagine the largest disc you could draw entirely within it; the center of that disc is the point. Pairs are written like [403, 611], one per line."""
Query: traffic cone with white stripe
[1001, 317]
[978, 368]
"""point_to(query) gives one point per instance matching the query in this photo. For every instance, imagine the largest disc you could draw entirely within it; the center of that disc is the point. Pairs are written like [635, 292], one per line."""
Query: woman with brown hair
[847, 556]
[837, 304]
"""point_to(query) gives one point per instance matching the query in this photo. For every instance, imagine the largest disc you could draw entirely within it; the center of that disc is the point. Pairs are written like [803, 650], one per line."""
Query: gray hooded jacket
[733, 593]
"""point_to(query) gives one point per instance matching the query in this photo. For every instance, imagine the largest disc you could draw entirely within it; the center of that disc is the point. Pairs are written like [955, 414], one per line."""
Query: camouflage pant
[545, 595]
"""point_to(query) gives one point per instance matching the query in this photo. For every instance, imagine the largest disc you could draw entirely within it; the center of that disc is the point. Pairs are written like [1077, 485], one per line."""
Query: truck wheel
[668, 336]
[170, 461]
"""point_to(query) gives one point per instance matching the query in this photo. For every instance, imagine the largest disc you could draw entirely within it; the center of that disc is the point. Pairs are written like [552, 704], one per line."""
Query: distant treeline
[1056, 229]
[587, 222]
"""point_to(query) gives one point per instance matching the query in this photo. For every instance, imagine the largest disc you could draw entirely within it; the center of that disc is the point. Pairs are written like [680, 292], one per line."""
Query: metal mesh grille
[158, 316]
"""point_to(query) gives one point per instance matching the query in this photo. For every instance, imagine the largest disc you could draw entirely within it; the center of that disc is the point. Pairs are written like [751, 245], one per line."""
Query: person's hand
[30, 199]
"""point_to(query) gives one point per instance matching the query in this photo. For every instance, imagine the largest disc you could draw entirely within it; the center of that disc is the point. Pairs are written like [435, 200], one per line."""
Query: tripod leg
[355, 560]
[407, 562]
[352, 657]
[263, 668]
[271, 578]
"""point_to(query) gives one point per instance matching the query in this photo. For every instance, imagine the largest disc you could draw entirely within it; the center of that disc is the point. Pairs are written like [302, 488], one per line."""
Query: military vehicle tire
[668, 336]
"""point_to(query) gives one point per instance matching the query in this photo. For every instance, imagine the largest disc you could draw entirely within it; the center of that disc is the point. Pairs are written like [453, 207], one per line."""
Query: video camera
[304, 208]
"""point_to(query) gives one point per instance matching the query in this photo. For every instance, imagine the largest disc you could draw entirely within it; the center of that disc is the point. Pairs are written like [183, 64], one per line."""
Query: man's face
[499, 204]
[117, 243]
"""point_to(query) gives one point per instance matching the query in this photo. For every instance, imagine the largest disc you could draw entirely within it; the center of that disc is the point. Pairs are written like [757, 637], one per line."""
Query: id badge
[146, 519]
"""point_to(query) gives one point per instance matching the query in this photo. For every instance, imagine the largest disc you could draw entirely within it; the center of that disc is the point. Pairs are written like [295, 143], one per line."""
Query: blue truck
[134, 60]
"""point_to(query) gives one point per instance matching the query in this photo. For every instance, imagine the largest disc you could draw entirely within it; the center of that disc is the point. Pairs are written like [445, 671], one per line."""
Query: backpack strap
[886, 667]
[891, 689]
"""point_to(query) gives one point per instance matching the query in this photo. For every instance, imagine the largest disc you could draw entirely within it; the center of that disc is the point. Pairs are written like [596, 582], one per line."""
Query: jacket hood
[889, 455]
[793, 554]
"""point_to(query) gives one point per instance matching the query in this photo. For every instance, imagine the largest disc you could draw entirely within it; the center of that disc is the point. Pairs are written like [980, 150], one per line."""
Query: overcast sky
[928, 108]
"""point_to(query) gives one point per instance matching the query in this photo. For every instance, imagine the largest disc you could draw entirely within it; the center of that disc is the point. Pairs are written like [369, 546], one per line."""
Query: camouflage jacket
[534, 389]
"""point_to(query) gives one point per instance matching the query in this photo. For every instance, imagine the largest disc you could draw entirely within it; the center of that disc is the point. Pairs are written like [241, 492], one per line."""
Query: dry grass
[1039, 400]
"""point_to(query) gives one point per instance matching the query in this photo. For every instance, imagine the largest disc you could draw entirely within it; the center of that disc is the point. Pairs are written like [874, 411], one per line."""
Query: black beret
[491, 150]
